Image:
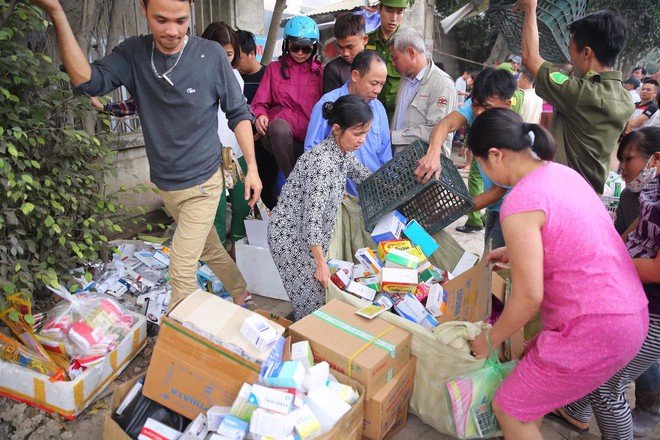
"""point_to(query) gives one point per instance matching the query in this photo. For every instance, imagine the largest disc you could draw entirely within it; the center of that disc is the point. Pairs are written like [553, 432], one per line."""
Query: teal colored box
[288, 374]
[420, 237]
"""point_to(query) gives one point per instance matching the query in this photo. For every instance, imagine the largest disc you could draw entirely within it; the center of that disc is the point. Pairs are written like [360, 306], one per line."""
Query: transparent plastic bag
[88, 324]
[470, 396]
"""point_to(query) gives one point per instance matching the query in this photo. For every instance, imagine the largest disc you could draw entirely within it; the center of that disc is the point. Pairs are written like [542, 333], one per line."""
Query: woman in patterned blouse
[301, 225]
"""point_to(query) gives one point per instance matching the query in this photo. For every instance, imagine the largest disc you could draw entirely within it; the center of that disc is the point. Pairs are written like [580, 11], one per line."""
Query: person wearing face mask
[639, 155]
[288, 90]
[301, 225]
[569, 266]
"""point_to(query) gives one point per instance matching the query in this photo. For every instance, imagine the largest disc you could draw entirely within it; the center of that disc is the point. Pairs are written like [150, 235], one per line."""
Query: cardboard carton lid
[218, 318]
[338, 327]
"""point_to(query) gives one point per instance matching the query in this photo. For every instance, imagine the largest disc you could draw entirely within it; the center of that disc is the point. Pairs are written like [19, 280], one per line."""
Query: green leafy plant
[54, 213]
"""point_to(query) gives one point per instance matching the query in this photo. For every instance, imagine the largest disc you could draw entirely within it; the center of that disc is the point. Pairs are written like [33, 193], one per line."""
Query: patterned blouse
[307, 209]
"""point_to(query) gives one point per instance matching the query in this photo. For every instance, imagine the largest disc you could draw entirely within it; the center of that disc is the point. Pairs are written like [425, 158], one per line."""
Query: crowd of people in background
[538, 139]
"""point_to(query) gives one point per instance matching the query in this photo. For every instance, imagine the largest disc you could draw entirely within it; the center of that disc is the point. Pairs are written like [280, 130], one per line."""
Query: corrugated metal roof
[346, 5]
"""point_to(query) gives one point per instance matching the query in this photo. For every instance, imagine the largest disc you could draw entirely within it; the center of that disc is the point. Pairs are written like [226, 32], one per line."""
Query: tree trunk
[280, 6]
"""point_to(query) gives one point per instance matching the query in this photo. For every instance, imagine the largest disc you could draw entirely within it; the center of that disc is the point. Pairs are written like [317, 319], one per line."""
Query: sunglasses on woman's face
[294, 48]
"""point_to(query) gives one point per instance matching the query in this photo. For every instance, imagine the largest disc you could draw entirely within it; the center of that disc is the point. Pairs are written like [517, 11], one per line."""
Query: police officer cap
[397, 3]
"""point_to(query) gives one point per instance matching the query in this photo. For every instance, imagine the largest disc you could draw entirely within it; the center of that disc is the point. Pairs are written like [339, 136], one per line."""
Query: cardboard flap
[218, 318]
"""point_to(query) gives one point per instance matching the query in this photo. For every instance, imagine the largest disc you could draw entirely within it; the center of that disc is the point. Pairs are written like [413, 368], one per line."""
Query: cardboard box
[196, 362]
[70, 398]
[336, 334]
[466, 297]
[348, 428]
[259, 270]
[385, 408]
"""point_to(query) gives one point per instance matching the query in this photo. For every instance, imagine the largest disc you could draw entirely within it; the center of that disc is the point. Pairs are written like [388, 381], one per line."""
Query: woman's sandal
[560, 417]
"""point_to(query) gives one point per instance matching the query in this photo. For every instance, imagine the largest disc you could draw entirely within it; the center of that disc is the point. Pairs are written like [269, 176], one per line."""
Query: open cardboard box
[348, 428]
[70, 398]
[200, 358]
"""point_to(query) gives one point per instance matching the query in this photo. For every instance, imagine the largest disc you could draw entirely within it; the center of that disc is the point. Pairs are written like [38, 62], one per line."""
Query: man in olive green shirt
[592, 107]
[391, 15]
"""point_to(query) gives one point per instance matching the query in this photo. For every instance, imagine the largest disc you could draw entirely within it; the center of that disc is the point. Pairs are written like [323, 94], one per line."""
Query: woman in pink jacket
[288, 91]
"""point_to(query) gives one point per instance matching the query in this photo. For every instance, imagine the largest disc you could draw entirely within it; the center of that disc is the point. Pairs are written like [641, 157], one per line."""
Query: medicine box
[385, 246]
[270, 399]
[285, 375]
[368, 258]
[419, 237]
[389, 227]
[398, 280]
[258, 332]
[364, 292]
[301, 352]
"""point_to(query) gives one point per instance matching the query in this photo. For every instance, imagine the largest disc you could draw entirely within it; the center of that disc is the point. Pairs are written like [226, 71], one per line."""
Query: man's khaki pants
[196, 239]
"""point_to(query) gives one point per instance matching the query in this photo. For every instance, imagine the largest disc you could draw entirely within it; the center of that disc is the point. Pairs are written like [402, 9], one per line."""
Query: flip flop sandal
[562, 421]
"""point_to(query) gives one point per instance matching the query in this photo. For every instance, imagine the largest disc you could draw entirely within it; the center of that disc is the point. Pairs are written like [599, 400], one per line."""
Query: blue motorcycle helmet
[301, 30]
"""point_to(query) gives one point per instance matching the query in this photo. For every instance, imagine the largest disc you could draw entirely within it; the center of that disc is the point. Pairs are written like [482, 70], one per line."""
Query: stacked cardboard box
[373, 352]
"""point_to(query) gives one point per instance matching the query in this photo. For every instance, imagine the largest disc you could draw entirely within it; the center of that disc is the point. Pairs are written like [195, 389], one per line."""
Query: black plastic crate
[435, 204]
[553, 16]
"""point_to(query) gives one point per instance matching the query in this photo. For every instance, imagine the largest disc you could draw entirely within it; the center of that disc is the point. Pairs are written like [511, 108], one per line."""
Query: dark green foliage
[54, 213]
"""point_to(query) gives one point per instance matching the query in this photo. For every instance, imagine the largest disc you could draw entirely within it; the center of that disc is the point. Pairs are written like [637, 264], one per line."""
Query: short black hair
[603, 31]
[528, 76]
[640, 68]
[348, 24]
[246, 41]
[493, 83]
[651, 81]
[362, 61]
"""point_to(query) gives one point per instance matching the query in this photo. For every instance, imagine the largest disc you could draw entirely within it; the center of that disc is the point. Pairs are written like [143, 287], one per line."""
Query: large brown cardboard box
[338, 336]
[349, 426]
[389, 406]
[196, 362]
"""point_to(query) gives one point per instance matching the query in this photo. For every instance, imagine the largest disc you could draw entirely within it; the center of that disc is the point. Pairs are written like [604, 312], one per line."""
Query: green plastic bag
[469, 398]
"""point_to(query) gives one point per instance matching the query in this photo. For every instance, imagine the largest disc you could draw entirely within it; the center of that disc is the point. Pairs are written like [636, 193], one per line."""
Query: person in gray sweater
[179, 81]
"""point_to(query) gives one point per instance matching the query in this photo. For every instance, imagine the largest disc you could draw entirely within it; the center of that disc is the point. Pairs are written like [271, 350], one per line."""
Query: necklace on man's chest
[178, 58]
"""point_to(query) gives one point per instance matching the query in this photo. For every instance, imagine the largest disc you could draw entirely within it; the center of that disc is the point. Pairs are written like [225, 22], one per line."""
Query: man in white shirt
[532, 104]
[461, 86]
[632, 84]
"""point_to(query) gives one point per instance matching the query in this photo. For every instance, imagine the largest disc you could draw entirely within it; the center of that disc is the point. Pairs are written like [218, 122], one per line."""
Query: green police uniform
[590, 114]
[388, 94]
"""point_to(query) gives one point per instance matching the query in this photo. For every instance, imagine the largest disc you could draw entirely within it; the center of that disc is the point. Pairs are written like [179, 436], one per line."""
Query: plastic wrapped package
[89, 325]
[13, 352]
[470, 398]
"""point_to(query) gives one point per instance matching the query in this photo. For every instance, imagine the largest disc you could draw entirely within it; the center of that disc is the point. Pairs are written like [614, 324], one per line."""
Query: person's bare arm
[648, 269]
[493, 195]
[531, 56]
[243, 133]
[635, 122]
[524, 250]
[322, 273]
[73, 58]
[429, 165]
